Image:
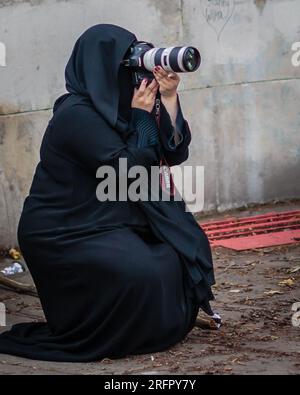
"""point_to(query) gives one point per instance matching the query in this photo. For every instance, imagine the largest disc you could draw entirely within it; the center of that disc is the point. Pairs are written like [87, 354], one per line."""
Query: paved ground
[257, 336]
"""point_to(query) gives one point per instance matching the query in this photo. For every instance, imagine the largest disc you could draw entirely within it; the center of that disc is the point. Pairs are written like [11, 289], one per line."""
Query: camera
[142, 57]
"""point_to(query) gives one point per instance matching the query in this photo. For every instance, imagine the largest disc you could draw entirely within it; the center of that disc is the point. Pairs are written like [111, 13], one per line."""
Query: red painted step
[275, 228]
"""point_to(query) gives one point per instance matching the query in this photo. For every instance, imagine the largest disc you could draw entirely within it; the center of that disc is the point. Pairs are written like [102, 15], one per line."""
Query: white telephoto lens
[148, 59]
[165, 57]
[180, 58]
[163, 61]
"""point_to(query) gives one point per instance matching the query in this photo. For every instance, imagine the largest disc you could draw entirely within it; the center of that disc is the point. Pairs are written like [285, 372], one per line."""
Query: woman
[114, 277]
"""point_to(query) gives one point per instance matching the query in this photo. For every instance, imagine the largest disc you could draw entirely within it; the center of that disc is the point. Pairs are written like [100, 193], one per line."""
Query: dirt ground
[257, 336]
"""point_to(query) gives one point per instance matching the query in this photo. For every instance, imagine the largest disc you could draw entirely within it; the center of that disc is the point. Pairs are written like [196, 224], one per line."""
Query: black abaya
[115, 277]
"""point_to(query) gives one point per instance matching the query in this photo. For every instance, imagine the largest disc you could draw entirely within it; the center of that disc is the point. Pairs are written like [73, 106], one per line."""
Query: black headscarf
[94, 71]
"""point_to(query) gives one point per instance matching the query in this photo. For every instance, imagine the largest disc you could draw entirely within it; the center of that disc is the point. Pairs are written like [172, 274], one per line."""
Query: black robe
[115, 277]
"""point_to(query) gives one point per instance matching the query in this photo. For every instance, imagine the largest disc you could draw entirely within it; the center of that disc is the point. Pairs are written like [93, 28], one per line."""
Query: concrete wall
[242, 104]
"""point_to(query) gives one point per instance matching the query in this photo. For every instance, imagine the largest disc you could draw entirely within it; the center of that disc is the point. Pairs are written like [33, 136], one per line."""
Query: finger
[150, 89]
[153, 91]
[143, 86]
[152, 96]
[153, 85]
[175, 77]
[157, 77]
[161, 78]
[154, 82]
[171, 75]
[162, 72]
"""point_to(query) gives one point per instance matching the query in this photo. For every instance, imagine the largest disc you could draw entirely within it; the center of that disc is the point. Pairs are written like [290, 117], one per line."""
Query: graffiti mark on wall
[217, 13]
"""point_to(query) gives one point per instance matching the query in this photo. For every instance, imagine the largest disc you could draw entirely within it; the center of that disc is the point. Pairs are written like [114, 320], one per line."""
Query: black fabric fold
[170, 219]
[146, 128]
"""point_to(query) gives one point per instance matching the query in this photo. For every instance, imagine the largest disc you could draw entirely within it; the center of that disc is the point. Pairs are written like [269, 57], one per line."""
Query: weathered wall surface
[242, 104]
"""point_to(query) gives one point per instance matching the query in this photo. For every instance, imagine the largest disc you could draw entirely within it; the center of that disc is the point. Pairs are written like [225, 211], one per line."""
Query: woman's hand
[144, 97]
[168, 81]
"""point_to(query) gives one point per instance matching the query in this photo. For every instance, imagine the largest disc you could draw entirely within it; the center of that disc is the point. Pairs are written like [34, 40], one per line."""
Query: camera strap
[165, 175]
